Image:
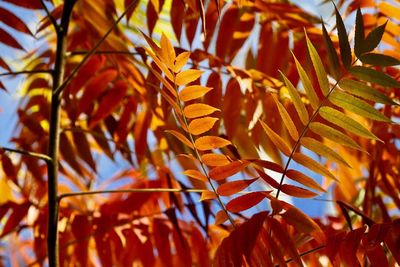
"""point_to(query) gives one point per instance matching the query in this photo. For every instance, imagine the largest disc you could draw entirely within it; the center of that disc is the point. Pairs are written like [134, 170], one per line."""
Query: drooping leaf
[181, 61]
[294, 95]
[187, 76]
[196, 175]
[4, 65]
[374, 76]
[340, 119]
[345, 50]
[13, 21]
[379, 60]
[233, 187]
[303, 179]
[83, 148]
[367, 92]
[267, 165]
[296, 191]
[276, 139]
[311, 94]
[245, 202]
[9, 40]
[167, 84]
[198, 110]
[318, 67]
[202, 15]
[214, 160]
[167, 52]
[181, 138]
[193, 92]
[374, 38]
[356, 105]
[33, 4]
[220, 217]
[287, 120]
[160, 64]
[334, 135]
[202, 125]
[359, 34]
[210, 142]
[223, 172]
[332, 54]
[313, 165]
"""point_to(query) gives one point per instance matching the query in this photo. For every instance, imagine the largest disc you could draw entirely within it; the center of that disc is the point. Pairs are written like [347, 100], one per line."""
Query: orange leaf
[193, 91]
[207, 195]
[313, 165]
[167, 51]
[181, 138]
[267, 165]
[276, 139]
[166, 83]
[187, 76]
[202, 125]
[223, 172]
[198, 110]
[210, 142]
[304, 180]
[161, 65]
[245, 202]
[181, 61]
[295, 191]
[286, 119]
[233, 187]
[220, 217]
[303, 223]
[214, 160]
[196, 175]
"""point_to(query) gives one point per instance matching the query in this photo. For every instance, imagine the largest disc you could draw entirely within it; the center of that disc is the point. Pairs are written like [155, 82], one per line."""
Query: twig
[27, 153]
[25, 72]
[137, 190]
[51, 18]
[305, 253]
[93, 50]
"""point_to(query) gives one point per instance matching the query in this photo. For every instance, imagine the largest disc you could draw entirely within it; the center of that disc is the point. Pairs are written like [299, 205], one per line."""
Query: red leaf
[18, 213]
[81, 228]
[161, 233]
[230, 188]
[296, 191]
[13, 21]
[348, 248]
[83, 148]
[223, 172]
[4, 65]
[267, 165]
[29, 4]
[7, 39]
[245, 202]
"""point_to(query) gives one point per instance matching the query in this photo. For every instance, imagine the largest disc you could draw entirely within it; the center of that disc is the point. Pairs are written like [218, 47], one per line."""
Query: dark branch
[27, 153]
[25, 72]
[51, 18]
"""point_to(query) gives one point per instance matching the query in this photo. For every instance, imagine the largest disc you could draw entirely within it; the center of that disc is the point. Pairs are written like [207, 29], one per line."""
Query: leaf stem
[51, 18]
[25, 72]
[27, 153]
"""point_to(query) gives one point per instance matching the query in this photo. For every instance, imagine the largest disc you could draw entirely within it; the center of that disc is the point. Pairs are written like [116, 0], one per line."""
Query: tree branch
[27, 153]
[25, 72]
[51, 18]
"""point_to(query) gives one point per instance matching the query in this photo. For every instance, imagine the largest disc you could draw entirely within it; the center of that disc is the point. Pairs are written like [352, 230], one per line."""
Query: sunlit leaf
[304, 180]
[374, 76]
[334, 135]
[299, 105]
[202, 125]
[313, 165]
[220, 217]
[233, 187]
[276, 139]
[287, 120]
[187, 76]
[340, 119]
[207, 195]
[267, 165]
[296, 191]
[181, 61]
[245, 202]
[167, 51]
[223, 172]
[210, 142]
[193, 92]
[318, 67]
[215, 160]
[196, 175]
[198, 110]
[345, 50]
[181, 138]
[161, 65]
[356, 105]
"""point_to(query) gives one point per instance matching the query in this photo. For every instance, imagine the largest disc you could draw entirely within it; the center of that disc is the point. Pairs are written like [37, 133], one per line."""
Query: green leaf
[298, 104]
[374, 76]
[323, 150]
[287, 120]
[356, 105]
[367, 92]
[374, 38]
[312, 96]
[345, 51]
[359, 34]
[334, 135]
[340, 119]
[318, 67]
[332, 55]
[379, 60]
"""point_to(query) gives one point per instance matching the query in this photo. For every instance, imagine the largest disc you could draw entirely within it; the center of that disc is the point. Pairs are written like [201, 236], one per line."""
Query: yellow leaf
[287, 120]
[213, 160]
[276, 139]
[318, 67]
[161, 65]
[202, 125]
[221, 217]
[193, 92]
[312, 96]
[181, 61]
[198, 110]
[165, 83]
[323, 150]
[223, 172]
[196, 175]
[304, 180]
[210, 142]
[167, 52]
[181, 138]
[207, 195]
[187, 76]
[312, 165]
[6, 193]
[298, 104]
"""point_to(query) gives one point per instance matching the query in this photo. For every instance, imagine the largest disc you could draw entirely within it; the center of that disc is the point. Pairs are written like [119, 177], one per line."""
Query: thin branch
[25, 72]
[305, 253]
[137, 190]
[92, 51]
[100, 52]
[27, 153]
[51, 18]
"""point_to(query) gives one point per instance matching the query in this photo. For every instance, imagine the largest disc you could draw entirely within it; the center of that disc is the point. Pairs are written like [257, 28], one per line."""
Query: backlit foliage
[185, 97]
